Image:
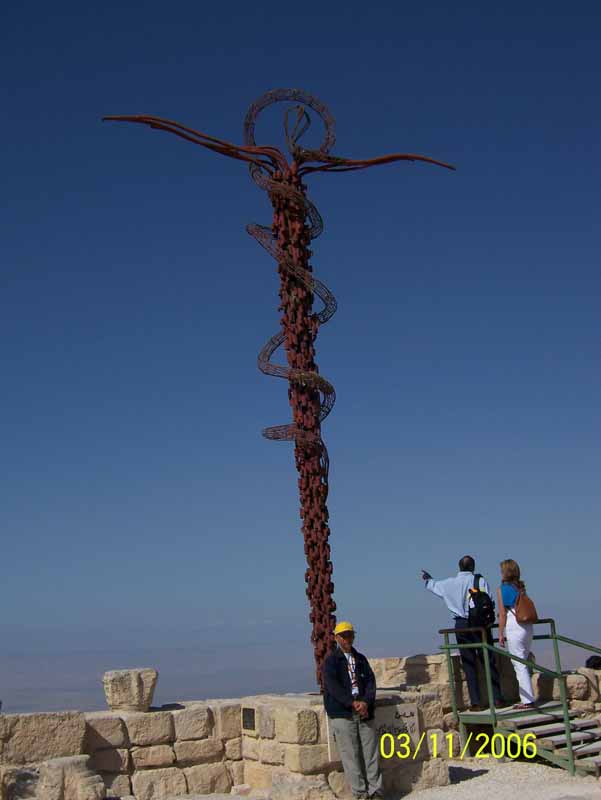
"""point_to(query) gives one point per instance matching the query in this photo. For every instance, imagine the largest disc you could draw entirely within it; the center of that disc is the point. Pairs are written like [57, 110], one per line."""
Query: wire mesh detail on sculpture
[296, 222]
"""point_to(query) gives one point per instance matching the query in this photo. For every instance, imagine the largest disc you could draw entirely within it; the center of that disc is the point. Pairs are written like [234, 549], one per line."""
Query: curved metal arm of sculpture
[336, 164]
[276, 159]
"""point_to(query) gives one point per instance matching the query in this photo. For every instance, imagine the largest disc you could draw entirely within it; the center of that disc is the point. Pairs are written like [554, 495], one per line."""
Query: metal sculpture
[296, 222]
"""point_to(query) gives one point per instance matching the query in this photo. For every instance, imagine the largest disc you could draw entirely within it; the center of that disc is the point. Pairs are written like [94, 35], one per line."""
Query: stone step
[582, 750]
[577, 737]
[559, 727]
[526, 719]
[592, 764]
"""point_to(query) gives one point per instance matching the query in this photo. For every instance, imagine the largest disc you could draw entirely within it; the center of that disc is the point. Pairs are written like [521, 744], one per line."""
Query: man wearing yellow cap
[349, 699]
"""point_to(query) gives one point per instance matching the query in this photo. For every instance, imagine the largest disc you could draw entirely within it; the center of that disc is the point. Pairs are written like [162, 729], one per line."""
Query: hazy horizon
[71, 678]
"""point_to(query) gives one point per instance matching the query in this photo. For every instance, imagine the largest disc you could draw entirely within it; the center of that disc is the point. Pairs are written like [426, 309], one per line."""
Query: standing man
[349, 699]
[457, 595]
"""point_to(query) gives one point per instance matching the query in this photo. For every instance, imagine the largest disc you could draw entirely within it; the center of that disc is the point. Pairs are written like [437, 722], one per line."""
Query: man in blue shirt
[456, 594]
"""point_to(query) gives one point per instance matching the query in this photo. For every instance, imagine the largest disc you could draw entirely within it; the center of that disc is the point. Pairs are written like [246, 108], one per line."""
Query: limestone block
[432, 773]
[104, 730]
[422, 669]
[306, 758]
[449, 723]
[208, 778]
[339, 785]
[236, 771]
[194, 722]
[289, 786]
[431, 715]
[322, 727]
[413, 776]
[585, 706]
[157, 755]
[577, 687]
[443, 694]
[220, 796]
[389, 672]
[250, 748]
[259, 776]
[233, 749]
[89, 788]
[153, 728]
[592, 677]
[129, 689]
[542, 686]
[51, 785]
[114, 760]
[150, 784]
[69, 778]
[18, 782]
[271, 752]
[242, 789]
[199, 751]
[296, 726]
[228, 723]
[266, 727]
[30, 738]
[116, 785]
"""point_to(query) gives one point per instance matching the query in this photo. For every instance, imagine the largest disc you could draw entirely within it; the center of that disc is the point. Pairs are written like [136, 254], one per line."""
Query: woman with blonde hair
[518, 636]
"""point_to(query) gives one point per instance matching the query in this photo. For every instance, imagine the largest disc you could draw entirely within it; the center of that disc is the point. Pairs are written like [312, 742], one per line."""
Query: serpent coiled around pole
[296, 222]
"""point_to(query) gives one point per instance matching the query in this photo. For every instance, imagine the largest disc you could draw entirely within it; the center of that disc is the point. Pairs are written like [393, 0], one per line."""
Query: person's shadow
[460, 774]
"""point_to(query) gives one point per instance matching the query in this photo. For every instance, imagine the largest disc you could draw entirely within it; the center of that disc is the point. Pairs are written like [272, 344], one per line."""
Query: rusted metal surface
[295, 223]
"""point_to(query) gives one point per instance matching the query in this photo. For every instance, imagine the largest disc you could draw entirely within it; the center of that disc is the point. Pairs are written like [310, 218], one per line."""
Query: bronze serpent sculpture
[295, 223]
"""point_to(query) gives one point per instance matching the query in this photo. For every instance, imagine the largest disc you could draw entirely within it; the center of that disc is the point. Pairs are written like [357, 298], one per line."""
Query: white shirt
[350, 663]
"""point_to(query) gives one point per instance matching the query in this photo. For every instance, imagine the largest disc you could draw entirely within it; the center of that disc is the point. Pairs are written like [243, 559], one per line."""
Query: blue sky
[144, 518]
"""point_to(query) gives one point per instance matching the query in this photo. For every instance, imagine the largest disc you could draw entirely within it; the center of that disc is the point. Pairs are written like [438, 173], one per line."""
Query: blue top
[509, 595]
[456, 592]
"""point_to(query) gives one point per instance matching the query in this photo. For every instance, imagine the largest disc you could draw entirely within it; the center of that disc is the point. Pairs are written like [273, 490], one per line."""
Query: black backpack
[483, 613]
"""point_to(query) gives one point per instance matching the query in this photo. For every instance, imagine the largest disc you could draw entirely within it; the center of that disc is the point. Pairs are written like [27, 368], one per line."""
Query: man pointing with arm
[457, 594]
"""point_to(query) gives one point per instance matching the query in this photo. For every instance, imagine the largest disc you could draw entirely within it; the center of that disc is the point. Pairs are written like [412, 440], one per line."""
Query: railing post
[491, 699]
[451, 671]
[563, 694]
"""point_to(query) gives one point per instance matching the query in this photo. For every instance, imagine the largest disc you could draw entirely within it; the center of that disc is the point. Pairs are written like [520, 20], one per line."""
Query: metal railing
[558, 673]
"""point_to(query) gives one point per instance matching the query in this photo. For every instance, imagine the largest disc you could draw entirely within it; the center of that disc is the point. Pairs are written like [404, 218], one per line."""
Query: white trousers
[519, 642]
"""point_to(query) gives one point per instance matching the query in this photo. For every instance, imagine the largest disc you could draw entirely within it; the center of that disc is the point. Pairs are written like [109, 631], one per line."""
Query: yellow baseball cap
[343, 627]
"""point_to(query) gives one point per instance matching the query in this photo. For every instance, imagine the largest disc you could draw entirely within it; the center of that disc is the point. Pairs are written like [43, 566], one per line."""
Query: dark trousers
[468, 662]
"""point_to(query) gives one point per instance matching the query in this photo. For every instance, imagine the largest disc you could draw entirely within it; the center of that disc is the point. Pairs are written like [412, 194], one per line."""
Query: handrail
[558, 673]
[576, 643]
[493, 649]
[547, 621]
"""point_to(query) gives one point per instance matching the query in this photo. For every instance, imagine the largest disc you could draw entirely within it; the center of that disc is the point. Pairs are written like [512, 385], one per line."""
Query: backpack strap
[477, 582]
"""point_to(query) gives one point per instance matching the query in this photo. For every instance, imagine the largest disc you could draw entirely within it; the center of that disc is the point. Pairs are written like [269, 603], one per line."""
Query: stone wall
[270, 742]
[276, 743]
[428, 674]
[193, 748]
